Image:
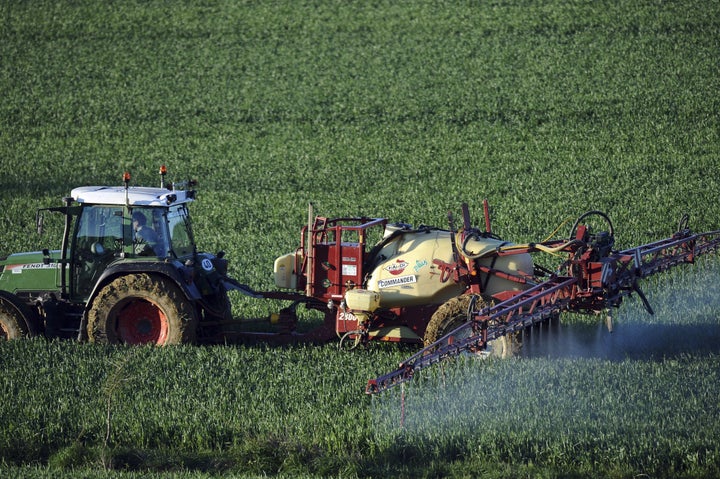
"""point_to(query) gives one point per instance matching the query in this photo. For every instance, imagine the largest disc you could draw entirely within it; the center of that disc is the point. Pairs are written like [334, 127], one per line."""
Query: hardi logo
[397, 267]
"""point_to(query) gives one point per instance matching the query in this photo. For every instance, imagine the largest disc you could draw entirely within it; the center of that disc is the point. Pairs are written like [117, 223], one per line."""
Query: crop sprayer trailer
[128, 271]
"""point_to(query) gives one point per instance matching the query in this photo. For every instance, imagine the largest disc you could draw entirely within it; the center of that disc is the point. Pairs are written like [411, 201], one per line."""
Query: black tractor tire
[14, 317]
[453, 313]
[142, 309]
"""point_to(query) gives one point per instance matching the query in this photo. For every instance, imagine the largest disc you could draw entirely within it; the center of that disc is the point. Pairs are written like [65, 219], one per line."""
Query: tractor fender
[31, 319]
[172, 270]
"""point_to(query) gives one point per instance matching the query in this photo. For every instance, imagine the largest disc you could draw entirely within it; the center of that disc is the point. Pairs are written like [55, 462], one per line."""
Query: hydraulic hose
[513, 247]
[538, 246]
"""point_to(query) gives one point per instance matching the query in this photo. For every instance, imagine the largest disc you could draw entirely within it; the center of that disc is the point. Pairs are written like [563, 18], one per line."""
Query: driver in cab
[145, 237]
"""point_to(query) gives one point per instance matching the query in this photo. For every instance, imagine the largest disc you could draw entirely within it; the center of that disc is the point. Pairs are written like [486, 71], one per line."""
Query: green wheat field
[389, 109]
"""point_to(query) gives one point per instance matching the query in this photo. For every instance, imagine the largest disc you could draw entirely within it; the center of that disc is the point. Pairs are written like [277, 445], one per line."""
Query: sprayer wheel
[453, 313]
[447, 317]
[142, 309]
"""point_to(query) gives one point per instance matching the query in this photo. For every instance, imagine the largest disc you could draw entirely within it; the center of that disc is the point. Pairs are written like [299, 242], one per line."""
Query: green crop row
[400, 110]
[300, 410]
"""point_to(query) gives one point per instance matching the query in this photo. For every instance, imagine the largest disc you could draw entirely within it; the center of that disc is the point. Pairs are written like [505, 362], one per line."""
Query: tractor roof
[136, 195]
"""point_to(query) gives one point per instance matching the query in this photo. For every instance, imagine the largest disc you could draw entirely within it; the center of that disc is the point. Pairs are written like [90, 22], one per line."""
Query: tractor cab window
[180, 231]
[149, 232]
[98, 240]
[99, 229]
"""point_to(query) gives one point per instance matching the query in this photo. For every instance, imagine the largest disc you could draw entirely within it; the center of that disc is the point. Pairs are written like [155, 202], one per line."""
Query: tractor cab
[153, 225]
[108, 225]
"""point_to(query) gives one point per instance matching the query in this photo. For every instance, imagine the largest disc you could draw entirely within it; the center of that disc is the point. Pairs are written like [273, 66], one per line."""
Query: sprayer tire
[142, 309]
[447, 317]
[453, 313]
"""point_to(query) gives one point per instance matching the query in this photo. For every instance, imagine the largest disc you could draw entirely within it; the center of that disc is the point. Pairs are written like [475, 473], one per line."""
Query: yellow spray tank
[416, 271]
[415, 268]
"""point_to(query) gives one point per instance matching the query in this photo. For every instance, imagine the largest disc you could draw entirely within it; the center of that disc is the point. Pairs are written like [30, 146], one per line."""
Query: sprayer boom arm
[531, 306]
[591, 287]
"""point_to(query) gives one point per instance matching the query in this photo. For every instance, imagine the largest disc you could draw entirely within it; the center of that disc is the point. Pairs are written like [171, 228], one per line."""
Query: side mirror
[39, 220]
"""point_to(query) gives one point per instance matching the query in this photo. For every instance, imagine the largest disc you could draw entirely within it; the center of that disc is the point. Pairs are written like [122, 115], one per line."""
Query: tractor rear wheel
[14, 316]
[142, 309]
[453, 313]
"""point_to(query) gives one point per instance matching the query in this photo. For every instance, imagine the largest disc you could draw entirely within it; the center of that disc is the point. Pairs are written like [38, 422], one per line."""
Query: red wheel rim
[142, 322]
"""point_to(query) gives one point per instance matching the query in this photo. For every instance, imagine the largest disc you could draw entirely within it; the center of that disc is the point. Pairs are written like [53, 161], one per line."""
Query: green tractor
[127, 271]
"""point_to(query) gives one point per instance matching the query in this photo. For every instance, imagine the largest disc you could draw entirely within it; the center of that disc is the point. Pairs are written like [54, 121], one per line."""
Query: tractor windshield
[180, 231]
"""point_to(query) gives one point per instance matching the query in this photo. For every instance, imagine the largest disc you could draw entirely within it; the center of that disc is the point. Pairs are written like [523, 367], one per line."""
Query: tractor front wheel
[13, 317]
[453, 313]
[142, 309]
